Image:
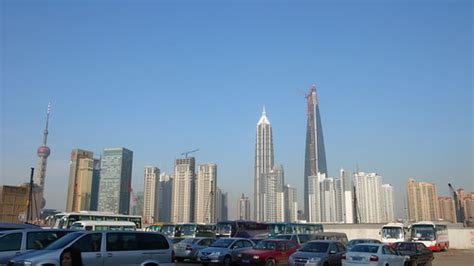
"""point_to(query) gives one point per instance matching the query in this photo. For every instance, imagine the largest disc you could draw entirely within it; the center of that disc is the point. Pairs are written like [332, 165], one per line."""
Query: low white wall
[459, 238]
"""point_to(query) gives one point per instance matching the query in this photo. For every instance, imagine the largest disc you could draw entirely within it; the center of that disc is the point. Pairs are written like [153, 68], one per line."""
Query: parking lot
[454, 258]
[450, 258]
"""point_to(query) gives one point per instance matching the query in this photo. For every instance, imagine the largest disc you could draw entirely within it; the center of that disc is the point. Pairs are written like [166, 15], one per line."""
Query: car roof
[37, 230]
[371, 244]
[331, 234]
[8, 226]
[364, 239]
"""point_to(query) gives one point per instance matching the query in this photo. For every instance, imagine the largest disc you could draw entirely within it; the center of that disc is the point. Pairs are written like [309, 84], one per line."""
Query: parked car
[372, 254]
[318, 252]
[176, 240]
[269, 252]
[298, 238]
[16, 242]
[105, 248]
[189, 247]
[357, 241]
[15, 226]
[224, 251]
[418, 253]
[342, 237]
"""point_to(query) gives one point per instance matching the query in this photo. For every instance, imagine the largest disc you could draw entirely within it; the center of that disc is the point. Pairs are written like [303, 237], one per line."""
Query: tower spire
[45, 133]
[264, 112]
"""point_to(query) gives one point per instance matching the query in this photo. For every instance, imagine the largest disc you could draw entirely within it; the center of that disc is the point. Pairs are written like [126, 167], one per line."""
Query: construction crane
[457, 204]
[188, 152]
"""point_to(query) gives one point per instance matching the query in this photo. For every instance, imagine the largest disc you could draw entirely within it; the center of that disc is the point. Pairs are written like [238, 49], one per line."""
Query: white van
[99, 248]
[104, 225]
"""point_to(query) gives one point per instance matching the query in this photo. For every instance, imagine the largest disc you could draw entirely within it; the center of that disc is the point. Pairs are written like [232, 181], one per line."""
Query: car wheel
[227, 261]
[270, 262]
[326, 264]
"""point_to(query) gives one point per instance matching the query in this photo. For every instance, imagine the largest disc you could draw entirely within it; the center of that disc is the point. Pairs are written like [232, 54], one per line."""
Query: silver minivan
[106, 248]
[16, 242]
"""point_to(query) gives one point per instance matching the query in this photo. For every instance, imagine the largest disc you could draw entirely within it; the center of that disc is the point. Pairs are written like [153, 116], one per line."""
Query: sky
[394, 79]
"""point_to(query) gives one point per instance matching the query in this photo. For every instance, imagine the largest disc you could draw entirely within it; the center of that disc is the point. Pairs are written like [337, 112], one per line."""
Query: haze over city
[394, 86]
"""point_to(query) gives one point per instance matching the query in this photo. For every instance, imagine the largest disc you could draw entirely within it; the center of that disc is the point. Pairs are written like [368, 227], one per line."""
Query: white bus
[64, 220]
[104, 225]
[433, 235]
[392, 232]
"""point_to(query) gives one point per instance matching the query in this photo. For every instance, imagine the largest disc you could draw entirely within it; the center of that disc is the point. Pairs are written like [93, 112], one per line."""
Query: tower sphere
[43, 151]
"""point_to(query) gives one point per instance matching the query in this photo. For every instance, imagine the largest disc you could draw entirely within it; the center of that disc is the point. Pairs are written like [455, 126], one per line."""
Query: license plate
[357, 258]
[245, 261]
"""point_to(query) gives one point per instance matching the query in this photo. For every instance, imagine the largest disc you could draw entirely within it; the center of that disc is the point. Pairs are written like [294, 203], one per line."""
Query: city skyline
[397, 106]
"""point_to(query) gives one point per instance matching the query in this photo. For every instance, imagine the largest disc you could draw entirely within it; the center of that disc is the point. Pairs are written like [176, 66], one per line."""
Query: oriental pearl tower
[43, 153]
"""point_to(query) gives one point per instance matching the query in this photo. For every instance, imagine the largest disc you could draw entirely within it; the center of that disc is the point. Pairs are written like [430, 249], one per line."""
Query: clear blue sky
[163, 77]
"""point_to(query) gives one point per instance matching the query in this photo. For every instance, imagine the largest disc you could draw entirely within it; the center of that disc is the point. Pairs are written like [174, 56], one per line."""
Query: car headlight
[314, 259]
[255, 257]
[27, 263]
[239, 255]
[215, 254]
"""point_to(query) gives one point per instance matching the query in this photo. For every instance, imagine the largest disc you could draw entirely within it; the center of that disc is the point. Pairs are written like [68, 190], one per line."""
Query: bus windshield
[168, 230]
[423, 232]
[224, 229]
[276, 229]
[392, 232]
[188, 230]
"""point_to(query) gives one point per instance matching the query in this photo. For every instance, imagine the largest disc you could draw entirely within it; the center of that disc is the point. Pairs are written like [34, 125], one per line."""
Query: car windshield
[365, 248]
[64, 241]
[222, 243]
[316, 247]
[270, 245]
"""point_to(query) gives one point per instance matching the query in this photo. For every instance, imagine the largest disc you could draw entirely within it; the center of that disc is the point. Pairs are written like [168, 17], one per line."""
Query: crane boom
[188, 152]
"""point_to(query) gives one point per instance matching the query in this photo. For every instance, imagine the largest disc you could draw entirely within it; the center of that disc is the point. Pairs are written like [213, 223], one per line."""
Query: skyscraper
[422, 201]
[151, 195]
[166, 192]
[291, 204]
[243, 208]
[388, 214]
[273, 195]
[263, 163]
[95, 185]
[328, 200]
[183, 191]
[446, 209]
[368, 188]
[115, 180]
[79, 194]
[314, 197]
[205, 198]
[348, 205]
[43, 153]
[315, 155]
[222, 205]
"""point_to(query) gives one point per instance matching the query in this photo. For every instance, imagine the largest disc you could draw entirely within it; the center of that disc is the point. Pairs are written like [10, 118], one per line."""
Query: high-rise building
[263, 164]
[205, 196]
[95, 185]
[388, 214]
[79, 194]
[467, 202]
[328, 200]
[368, 188]
[243, 208]
[166, 192]
[273, 195]
[43, 153]
[115, 180]
[136, 206]
[183, 191]
[447, 212]
[291, 204]
[348, 199]
[315, 155]
[315, 198]
[422, 201]
[339, 200]
[151, 194]
[222, 205]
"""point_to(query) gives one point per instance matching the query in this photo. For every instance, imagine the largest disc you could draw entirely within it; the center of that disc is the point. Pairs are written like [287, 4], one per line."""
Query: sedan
[269, 252]
[224, 251]
[318, 253]
[373, 254]
[189, 247]
[418, 253]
